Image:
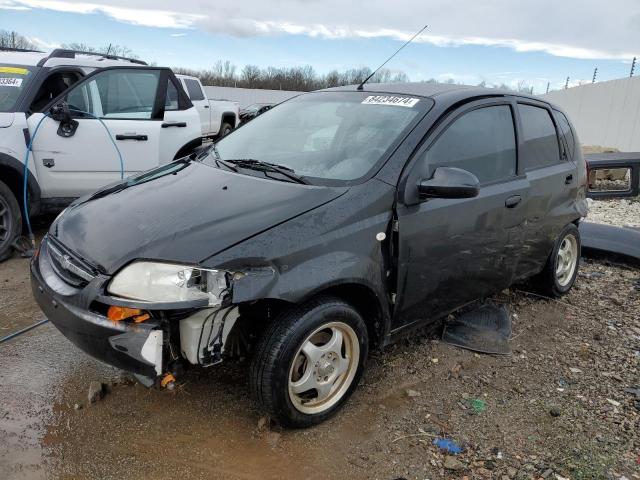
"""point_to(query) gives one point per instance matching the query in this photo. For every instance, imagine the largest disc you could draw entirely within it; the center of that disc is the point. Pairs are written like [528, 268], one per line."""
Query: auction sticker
[10, 82]
[16, 70]
[390, 100]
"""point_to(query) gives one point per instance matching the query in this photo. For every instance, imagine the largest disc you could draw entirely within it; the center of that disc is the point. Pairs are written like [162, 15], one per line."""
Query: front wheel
[309, 361]
[10, 221]
[561, 270]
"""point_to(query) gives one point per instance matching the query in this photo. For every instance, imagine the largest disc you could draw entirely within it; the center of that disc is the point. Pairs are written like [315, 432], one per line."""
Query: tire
[10, 221]
[281, 371]
[225, 129]
[555, 281]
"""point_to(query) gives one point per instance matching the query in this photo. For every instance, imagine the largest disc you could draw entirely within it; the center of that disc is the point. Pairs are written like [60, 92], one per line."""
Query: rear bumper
[136, 348]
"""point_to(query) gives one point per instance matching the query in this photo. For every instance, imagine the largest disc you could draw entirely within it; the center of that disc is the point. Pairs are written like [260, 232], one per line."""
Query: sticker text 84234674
[390, 100]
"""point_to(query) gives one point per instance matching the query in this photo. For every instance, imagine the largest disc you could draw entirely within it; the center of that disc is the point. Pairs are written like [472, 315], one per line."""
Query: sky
[469, 41]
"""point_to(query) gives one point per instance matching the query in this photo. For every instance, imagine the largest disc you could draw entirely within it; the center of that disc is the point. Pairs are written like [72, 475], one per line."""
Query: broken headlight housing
[167, 282]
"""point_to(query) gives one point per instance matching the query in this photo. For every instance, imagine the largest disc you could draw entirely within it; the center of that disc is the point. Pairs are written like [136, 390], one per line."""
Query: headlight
[166, 282]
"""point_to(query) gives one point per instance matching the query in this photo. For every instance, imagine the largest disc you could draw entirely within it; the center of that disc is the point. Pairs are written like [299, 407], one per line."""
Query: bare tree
[111, 49]
[302, 78]
[15, 40]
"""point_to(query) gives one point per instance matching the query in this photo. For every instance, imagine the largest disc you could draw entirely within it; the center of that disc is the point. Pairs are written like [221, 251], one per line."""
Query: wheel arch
[230, 118]
[360, 296]
[363, 298]
[12, 175]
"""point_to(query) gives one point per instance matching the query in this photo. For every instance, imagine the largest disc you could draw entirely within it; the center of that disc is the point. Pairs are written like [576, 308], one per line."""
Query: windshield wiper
[259, 165]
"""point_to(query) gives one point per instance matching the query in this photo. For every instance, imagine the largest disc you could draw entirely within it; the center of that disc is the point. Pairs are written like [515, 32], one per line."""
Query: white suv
[145, 109]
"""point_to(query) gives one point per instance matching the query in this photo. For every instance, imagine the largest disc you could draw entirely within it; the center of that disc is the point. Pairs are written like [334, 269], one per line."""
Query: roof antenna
[387, 60]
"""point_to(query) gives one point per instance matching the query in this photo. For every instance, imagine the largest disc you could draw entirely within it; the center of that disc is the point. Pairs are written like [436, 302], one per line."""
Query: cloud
[43, 44]
[138, 16]
[572, 28]
[8, 6]
[178, 35]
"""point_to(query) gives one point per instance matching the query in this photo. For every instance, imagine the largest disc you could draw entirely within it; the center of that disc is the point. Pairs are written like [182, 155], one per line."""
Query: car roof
[30, 59]
[432, 90]
[45, 59]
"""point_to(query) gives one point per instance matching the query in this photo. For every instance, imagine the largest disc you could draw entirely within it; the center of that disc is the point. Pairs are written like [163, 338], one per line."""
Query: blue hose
[26, 167]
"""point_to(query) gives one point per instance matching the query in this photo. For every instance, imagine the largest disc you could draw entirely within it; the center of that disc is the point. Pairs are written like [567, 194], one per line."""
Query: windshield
[333, 136]
[13, 81]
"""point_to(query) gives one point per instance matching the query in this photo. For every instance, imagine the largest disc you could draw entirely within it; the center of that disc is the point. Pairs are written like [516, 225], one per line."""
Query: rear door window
[481, 141]
[193, 89]
[540, 141]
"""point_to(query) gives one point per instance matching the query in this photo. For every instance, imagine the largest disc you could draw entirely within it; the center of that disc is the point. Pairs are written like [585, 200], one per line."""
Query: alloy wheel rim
[323, 368]
[566, 260]
[5, 222]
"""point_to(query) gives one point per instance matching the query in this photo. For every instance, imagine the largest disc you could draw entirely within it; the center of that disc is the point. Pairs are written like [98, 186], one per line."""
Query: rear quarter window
[566, 130]
[541, 147]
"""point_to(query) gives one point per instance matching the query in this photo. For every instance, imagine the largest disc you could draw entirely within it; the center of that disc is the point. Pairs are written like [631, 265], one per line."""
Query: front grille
[69, 267]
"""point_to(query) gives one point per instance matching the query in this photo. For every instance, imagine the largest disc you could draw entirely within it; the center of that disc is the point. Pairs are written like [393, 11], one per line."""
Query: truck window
[541, 147]
[193, 89]
[481, 142]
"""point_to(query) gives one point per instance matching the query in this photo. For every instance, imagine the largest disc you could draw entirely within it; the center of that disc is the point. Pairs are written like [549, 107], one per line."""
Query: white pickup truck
[218, 117]
[73, 108]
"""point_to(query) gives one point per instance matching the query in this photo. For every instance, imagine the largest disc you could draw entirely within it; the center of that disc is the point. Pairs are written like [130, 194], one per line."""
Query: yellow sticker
[16, 70]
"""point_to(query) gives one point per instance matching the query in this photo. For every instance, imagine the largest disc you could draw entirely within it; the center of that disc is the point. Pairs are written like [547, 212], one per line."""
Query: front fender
[337, 243]
[296, 283]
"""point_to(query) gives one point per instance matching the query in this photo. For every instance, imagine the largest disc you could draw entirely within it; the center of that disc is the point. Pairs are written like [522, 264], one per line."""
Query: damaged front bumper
[147, 349]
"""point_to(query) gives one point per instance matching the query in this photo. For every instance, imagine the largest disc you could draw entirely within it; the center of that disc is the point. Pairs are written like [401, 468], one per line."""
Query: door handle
[140, 138]
[568, 180]
[173, 124]
[206, 106]
[512, 201]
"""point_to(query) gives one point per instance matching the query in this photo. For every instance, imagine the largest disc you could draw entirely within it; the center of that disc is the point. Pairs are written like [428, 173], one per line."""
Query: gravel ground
[620, 212]
[564, 404]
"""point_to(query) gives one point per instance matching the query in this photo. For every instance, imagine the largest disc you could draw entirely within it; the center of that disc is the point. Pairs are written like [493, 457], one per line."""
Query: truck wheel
[561, 270]
[225, 129]
[309, 361]
[10, 221]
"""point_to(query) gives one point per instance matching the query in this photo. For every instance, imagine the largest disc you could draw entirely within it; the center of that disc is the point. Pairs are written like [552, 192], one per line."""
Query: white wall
[247, 96]
[605, 114]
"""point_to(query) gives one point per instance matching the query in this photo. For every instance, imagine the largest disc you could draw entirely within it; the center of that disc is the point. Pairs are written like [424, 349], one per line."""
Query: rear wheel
[309, 361]
[561, 270]
[225, 129]
[10, 221]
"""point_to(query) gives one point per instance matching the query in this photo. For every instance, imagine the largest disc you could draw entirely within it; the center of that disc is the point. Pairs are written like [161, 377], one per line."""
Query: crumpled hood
[185, 216]
[6, 119]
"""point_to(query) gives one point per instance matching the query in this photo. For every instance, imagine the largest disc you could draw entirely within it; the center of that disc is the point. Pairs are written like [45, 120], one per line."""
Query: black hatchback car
[334, 223]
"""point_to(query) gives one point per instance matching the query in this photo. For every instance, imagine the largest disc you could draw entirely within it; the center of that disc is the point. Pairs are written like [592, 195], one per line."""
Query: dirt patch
[557, 405]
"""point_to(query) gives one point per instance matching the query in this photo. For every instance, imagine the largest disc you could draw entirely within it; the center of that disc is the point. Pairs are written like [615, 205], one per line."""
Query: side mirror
[450, 182]
[60, 113]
